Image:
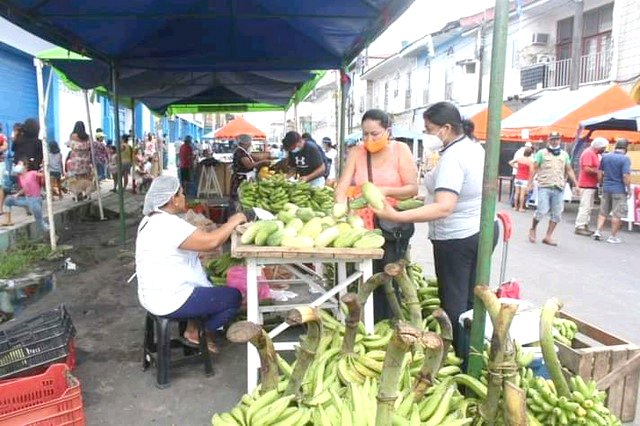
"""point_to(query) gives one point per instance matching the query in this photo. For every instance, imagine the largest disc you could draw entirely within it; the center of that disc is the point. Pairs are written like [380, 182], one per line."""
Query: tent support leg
[93, 155]
[489, 187]
[116, 122]
[45, 153]
[342, 150]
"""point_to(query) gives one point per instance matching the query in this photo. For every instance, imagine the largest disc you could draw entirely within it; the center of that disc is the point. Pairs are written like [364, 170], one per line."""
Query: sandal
[195, 343]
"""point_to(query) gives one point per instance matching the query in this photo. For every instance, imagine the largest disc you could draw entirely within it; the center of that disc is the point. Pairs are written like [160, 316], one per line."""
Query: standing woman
[80, 158]
[394, 172]
[454, 213]
[243, 166]
[523, 166]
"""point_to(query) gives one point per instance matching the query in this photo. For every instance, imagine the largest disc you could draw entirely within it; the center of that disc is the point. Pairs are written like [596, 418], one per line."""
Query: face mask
[432, 142]
[375, 145]
[18, 169]
[296, 149]
[554, 151]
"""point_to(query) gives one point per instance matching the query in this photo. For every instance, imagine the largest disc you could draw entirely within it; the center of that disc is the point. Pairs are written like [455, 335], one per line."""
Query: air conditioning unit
[544, 59]
[540, 39]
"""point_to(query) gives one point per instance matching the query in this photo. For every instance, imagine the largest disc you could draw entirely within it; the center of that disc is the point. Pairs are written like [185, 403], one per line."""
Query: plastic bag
[237, 278]
[510, 289]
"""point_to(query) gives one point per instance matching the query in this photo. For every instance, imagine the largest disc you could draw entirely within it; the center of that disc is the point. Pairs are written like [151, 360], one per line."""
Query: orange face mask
[375, 145]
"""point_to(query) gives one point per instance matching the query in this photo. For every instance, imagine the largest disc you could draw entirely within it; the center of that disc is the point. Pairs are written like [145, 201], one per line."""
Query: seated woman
[171, 280]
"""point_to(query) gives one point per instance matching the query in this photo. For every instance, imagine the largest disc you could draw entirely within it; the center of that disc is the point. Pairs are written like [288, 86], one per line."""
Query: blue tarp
[214, 35]
[625, 119]
[159, 89]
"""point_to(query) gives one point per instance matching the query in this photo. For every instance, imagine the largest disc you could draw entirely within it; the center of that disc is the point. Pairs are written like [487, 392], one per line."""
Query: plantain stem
[551, 361]
[515, 404]
[392, 299]
[308, 346]
[433, 356]
[404, 337]
[246, 331]
[409, 291]
[351, 322]
[370, 285]
[446, 330]
[499, 366]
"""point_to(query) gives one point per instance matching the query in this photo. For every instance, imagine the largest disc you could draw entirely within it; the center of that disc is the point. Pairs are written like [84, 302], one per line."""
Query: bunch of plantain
[565, 330]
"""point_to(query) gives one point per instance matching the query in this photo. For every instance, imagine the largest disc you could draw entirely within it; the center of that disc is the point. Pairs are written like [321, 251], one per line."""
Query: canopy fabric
[626, 119]
[562, 111]
[160, 89]
[214, 35]
[479, 114]
[239, 126]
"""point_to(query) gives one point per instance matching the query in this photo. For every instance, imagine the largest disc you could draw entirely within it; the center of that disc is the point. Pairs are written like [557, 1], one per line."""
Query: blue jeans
[550, 201]
[218, 304]
[101, 170]
[317, 182]
[34, 204]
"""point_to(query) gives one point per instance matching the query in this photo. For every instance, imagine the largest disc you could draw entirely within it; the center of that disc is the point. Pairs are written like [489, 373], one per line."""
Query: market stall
[295, 259]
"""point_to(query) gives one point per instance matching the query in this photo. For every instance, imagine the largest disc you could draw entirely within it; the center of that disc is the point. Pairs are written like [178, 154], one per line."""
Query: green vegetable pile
[273, 192]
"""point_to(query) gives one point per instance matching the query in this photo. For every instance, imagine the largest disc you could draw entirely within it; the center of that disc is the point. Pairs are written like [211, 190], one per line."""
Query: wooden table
[260, 255]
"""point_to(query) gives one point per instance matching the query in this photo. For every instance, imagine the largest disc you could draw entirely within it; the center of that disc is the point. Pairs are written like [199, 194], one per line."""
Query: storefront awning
[561, 111]
[479, 114]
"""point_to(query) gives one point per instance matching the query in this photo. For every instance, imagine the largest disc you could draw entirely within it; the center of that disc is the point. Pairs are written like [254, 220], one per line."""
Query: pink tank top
[387, 174]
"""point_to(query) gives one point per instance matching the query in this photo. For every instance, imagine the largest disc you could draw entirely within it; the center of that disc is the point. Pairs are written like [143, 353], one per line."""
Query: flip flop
[195, 343]
[550, 243]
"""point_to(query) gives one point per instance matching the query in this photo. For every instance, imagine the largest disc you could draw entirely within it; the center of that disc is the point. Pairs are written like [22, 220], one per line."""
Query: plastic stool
[158, 351]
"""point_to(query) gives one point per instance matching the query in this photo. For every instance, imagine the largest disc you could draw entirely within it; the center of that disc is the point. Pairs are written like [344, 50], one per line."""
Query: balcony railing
[593, 67]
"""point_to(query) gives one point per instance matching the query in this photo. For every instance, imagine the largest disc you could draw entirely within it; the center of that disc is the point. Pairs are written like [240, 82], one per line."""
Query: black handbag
[392, 231]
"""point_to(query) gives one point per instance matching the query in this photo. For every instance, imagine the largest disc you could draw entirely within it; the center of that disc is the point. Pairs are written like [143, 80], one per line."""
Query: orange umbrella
[239, 126]
[562, 110]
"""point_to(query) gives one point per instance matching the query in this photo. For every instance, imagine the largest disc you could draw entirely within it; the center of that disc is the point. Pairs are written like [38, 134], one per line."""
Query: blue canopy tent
[216, 35]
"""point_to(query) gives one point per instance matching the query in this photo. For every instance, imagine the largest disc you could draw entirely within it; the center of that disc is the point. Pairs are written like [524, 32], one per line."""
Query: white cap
[160, 192]
[528, 145]
[599, 143]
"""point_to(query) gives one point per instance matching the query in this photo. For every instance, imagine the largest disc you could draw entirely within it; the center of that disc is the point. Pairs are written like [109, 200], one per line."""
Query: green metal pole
[342, 145]
[116, 119]
[490, 180]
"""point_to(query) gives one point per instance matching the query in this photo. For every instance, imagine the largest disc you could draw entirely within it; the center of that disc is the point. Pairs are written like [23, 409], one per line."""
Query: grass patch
[17, 261]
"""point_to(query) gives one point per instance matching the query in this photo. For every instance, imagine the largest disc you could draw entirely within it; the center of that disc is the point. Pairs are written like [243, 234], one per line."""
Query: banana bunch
[217, 268]
[584, 406]
[566, 330]
[271, 408]
[248, 194]
[322, 199]
[300, 194]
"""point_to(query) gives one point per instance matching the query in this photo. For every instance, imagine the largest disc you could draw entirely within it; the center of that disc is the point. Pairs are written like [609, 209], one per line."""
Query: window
[470, 68]
[596, 31]
[386, 95]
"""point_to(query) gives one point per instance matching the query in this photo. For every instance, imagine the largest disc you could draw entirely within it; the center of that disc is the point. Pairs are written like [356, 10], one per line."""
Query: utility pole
[576, 45]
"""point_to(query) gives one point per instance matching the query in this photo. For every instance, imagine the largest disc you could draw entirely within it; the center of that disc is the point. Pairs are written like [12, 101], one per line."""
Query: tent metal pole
[133, 124]
[116, 122]
[342, 143]
[45, 153]
[295, 116]
[93, 155]
[490, 181]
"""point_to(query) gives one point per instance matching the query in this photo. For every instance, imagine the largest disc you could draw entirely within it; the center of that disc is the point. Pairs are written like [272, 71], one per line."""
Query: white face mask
[432, 142]
[19, 168]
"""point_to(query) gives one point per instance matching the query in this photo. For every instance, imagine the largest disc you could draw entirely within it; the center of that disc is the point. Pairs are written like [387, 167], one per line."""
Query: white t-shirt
[166, 274]
[459, 170]
[332, 154]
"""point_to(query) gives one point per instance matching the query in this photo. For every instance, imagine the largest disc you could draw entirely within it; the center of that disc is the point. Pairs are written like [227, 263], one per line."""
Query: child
[147, 177]
[28, 196]
[55, 168]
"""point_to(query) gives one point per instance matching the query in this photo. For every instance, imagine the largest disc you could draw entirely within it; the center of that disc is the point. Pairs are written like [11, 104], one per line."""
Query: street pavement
[597, 281]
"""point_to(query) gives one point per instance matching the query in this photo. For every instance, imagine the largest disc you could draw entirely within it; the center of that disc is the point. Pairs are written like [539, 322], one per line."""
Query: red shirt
[523, 168]
[185, 156]
[589, 158]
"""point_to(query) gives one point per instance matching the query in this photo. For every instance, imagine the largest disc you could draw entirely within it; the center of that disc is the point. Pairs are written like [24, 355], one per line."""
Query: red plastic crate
[52, 398]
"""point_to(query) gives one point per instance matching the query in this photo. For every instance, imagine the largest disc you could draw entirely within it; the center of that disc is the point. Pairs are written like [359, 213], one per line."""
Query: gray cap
[244, 138]
[599, 143]
[622, 143]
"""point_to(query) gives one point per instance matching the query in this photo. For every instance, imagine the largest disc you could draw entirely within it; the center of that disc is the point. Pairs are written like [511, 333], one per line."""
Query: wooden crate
[614, 363]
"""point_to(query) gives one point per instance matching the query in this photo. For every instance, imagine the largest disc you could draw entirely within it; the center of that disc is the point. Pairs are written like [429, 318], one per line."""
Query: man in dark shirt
[614, 174]
[306, 158]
